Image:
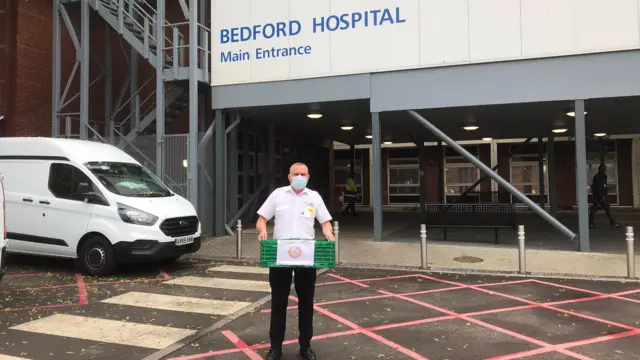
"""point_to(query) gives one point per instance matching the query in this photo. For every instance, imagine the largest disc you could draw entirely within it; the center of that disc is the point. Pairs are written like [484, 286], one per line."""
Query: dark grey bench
[488, 216]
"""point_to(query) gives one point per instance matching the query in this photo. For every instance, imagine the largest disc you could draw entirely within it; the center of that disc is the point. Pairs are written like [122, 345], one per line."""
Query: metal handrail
[128, 101]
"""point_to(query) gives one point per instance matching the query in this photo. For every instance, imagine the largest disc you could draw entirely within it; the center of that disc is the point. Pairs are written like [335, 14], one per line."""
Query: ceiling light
[573, 113]
[387, 143]
[600, 134]
[314, 115]
[471, 128]
[347, 127]
[559, 131]
[369, 136]
[487, 139]
[185, 163]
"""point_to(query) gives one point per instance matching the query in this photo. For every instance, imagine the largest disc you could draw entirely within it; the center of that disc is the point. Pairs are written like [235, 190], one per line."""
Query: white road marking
[240, 269]
[7, 357]
[177, 303]
[220, 283]
[106, 331]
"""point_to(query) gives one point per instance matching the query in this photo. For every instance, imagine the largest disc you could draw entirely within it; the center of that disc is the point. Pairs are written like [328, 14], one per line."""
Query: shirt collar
[304, 191]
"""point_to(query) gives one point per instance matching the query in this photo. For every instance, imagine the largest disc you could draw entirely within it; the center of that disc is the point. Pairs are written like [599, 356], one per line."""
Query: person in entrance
[295, 209]
[350, 195]
[600, 193]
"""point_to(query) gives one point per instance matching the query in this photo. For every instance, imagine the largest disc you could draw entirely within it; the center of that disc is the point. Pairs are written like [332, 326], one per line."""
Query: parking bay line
[239, 269]
[106, 331]
[221, 283]
[177, 303]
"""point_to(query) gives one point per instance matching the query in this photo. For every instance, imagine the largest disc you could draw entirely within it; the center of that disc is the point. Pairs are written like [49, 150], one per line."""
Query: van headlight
[134, 216]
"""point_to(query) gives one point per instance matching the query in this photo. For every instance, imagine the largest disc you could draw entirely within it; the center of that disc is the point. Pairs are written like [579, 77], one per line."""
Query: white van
[3, 230]
[91, 202]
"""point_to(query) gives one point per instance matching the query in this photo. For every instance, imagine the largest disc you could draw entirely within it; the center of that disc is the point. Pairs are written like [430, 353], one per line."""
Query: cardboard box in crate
[323, 257]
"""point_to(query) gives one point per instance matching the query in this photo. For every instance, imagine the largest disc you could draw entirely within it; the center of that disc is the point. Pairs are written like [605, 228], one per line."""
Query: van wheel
[96, 257]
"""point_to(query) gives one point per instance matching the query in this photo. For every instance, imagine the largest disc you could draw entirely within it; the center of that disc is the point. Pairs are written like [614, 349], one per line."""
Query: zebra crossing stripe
[240, 269]
[7, 357]
[220, 283]
[106, 331]
[177, 303]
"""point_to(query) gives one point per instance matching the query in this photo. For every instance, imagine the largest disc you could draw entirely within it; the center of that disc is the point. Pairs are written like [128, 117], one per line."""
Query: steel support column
[332, 178]
[376, 149]
[551, 168]
[85, 35]
[441, 160]
[160, 103]
[232, 169]
[108, 86]
[581, 176]
[422, 161]
[541, 171]
[497, 178]
[134, 103]
[220, 213]
[192, 176]
[245, 165]
[56, 70]
[271, 156]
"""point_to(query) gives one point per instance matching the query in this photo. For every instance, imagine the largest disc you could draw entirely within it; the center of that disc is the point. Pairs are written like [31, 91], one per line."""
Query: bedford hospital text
[278, 30]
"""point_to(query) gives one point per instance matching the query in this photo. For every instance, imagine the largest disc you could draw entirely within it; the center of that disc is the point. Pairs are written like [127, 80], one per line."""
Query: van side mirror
[85, 191]
[84, 188]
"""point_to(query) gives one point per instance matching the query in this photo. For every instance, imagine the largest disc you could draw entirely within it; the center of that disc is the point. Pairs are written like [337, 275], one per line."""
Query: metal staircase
[136, 21]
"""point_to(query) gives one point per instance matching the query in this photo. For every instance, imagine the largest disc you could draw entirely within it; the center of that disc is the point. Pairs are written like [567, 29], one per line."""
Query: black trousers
[604, 205]
[305, 285]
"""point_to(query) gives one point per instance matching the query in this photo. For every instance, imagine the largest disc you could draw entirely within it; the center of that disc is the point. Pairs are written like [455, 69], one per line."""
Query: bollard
[239, 240]
[631, 258]
[423, 246]
[336, 234]
[522, 263]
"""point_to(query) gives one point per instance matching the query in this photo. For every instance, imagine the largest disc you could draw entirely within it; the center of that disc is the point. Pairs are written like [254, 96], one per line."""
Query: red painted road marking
[486, 325]
[546, 306]
[26, 275]
[373, 297]
[594, 340]
[241, 345]
[347, 280]
[368, 333]
[615, 296]
[83, 298]
[367, 280]
[165, 275]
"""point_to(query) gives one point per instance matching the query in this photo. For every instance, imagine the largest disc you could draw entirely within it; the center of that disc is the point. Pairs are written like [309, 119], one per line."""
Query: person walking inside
[350, 195]
[295, 209]
[600, 194]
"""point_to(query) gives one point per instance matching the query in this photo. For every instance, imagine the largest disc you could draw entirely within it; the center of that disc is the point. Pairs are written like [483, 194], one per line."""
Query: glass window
[64, 182]
[460, 174]
[128, 179]
[404, 180]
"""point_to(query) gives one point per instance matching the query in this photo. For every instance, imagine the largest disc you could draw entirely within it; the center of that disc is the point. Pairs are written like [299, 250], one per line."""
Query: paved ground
[50, 312]
[382, 315]
[47, 311]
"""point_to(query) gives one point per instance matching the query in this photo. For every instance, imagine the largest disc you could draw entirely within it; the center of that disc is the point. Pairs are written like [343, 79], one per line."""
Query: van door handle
[27, 200]
[45, 202]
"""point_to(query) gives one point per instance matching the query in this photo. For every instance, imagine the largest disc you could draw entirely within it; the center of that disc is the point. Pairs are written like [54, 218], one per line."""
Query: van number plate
[184, 241]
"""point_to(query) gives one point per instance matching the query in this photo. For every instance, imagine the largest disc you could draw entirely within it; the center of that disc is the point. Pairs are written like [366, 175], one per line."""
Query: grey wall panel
[350, 87]
[564, 78]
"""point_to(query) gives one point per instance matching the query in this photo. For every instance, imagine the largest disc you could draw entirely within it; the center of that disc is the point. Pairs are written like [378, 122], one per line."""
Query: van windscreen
[128, 179]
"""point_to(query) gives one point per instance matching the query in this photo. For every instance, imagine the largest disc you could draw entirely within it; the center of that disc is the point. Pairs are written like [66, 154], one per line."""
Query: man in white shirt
[295, 209]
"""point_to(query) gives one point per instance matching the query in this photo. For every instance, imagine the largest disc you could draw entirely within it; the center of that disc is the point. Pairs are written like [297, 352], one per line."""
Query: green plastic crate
[324, 254]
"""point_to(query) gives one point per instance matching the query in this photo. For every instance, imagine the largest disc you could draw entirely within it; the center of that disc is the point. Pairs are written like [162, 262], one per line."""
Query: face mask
[299, 182]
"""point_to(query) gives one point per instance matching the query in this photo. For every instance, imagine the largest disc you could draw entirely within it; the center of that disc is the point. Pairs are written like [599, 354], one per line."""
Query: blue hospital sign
[274, 40]
[282, 29]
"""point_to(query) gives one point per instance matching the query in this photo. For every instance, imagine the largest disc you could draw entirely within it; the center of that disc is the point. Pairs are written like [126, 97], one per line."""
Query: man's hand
[327, 230]
[261, 226]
